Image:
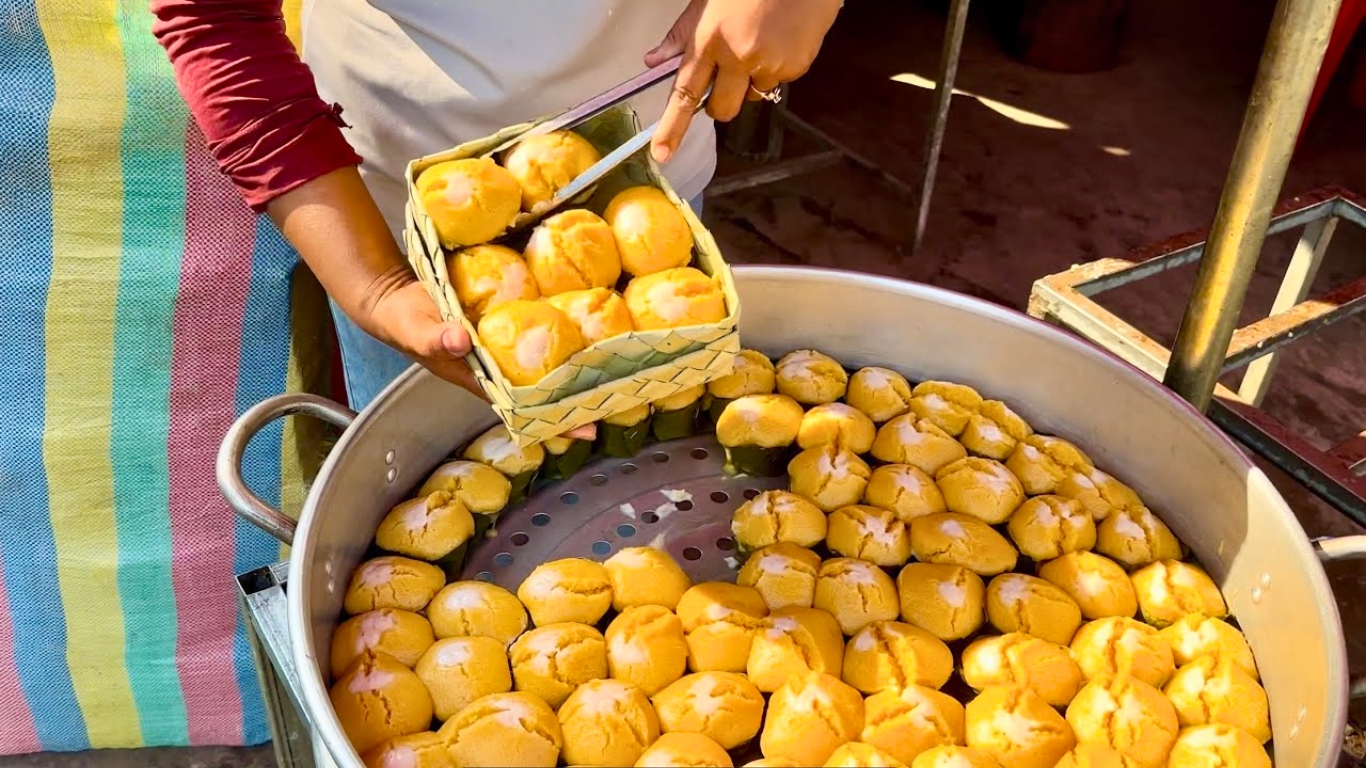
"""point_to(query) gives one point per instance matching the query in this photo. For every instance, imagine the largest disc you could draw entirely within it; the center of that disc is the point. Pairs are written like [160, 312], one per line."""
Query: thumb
[676, 41]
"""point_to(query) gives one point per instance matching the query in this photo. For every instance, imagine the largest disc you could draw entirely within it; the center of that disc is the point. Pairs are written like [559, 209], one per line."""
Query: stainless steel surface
[939, 119]
[605, 100]
[1341, 548]
[673, 496]
[1253, 547]
[1335, 475]
[228, 467]
[1285, 79]
[265, 608]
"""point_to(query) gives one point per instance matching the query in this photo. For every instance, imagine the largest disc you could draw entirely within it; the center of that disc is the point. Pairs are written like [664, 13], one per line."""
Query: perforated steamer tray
[675, 496]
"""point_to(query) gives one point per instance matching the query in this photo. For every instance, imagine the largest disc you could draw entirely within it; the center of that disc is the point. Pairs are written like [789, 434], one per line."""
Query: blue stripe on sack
[261, 374]
[26, 539]
[153, 156]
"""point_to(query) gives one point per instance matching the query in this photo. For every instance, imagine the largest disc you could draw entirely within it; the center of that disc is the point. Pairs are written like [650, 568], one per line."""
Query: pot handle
[1333, 548]
[229, 464]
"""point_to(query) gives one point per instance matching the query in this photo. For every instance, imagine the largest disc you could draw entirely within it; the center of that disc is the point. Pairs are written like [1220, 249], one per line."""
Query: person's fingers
[457, 372]
[760, 84]
[676, 41]
[728, 93]
[586, 432]
[694, 74]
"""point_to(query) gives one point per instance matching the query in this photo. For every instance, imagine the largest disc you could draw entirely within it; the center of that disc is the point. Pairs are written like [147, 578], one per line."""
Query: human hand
[404, 316]
[334, 224]
[743, 49]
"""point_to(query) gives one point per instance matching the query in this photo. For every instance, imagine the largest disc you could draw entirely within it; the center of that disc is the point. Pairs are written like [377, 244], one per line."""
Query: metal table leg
[943, 96]
[262, 597]
[1290, 63]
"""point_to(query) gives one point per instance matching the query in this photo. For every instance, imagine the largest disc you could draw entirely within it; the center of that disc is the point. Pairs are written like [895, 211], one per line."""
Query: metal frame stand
[837, 151]
[1227, 257]
[261, 594]
[1335, 475]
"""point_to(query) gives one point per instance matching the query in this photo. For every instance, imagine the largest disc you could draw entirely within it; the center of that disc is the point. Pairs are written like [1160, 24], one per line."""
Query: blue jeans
[369, 365]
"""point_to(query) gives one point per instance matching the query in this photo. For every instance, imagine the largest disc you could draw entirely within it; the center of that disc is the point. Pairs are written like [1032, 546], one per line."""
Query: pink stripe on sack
[18, 734]
[207, 333]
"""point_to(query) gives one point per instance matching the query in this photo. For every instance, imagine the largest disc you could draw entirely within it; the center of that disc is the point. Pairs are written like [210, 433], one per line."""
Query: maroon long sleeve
[251, 95]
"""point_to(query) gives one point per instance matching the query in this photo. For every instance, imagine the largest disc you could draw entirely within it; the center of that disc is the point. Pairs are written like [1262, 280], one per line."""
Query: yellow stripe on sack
[293, 12]
[87, 212]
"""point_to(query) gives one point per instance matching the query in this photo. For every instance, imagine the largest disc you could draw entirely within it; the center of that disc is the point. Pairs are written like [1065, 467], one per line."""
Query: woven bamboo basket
[616, 374]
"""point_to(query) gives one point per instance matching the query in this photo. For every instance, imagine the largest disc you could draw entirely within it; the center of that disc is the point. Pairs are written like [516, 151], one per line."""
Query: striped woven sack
[145, 307]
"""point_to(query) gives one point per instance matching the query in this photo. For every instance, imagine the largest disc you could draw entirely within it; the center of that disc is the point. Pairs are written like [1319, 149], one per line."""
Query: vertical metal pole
[1285, 78]
[943, 96]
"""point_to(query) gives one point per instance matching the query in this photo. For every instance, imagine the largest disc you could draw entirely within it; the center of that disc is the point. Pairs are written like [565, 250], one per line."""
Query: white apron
[419, 76]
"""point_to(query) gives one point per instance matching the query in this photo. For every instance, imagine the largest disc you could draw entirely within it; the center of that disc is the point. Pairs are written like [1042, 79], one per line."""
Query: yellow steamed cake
[909, 721]
[504, 729]
[458, 670]
[470, 201]
[378, 699]
[607, 723]
[784, 575]
[553, 660]
[1017, 727]
[477, 608]
[945, 404]
[1117, 645]
[389, 581]
[1169, 590]
[890, 654]
[652, 234]
[868, 533]
[528, 340]
[598, 313]
[675, 298]
[778, 516]
[1048, 526]
[573, 589]
[426, 528]
[684, 750]
[545, 164]
[404, 635]
[1020, 603]
[964, 540]
[1042, 461]
[723, 706]
[979, 487]
[1098, 585]
[485, 276]
[481, 488]
[797, 640]
[880, 393]
[856, 593]
[829, 476]
[646, 647]
[908, 439]
[720, 620]
[1023, 661]
[994, 431]
[906, 490]
[416, 750]
[645, 576]
[1127, 715]
[948, 601]
[811, 377]
[809, 717]
[843, 425]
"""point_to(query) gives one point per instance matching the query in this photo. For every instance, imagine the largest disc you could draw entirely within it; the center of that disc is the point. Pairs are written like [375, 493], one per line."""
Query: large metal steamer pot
[1203, 486]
